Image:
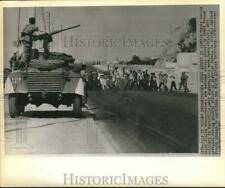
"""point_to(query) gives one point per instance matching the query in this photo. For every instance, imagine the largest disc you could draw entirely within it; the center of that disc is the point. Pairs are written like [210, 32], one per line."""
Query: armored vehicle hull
[56, 87]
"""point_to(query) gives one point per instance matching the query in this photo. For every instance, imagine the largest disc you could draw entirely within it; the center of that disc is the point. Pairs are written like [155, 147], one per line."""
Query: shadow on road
[55, 114]
[162, 122]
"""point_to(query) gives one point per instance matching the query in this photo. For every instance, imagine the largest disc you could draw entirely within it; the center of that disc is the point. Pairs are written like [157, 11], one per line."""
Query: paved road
[47, 130]
[43, 130]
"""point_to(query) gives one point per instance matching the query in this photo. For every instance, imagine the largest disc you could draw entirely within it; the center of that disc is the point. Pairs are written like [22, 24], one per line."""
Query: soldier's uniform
[84, 77]
[26, 39]
[13, 62]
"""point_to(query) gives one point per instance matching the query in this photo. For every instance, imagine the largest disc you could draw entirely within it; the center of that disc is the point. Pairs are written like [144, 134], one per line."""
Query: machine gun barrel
[47, 37]
[58, 31]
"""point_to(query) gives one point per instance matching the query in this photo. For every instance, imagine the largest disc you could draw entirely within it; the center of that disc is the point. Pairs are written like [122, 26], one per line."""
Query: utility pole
[18, 30]
[49, 22]
[53, 29]
[62, 42]
[35, 12]
[171, 31]
[35, 15]
[43, 18]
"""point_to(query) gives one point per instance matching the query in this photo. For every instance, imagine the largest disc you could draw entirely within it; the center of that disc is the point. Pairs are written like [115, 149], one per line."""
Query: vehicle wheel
[13, 110]
[77, 105]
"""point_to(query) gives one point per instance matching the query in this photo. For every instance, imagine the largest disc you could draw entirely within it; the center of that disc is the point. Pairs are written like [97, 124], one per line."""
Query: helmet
[32, 20]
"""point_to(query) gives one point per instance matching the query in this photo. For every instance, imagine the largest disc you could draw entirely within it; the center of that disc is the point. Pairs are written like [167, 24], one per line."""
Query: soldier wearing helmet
[27, 40]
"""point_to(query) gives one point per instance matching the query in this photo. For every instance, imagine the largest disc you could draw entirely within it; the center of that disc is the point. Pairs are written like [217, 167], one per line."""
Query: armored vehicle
[50, 77]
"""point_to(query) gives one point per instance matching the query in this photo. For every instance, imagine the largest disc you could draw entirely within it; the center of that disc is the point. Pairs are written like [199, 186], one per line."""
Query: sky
[106, 33]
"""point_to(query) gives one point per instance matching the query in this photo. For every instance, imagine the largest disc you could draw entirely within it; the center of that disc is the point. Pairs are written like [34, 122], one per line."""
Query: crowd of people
[135, 80]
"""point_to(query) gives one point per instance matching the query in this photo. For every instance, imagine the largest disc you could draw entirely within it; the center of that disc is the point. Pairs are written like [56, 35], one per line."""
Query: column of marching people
[136, 80]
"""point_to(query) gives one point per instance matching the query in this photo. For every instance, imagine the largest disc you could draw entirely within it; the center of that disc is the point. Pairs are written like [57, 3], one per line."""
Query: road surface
[47, 130]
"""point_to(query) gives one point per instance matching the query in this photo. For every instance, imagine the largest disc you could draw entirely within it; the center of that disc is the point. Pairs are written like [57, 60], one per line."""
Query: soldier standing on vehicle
[13, 62]
[26, 39]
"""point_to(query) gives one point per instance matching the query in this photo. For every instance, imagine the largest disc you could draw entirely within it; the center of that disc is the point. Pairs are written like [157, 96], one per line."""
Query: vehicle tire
[77, 106]
[13, 110]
